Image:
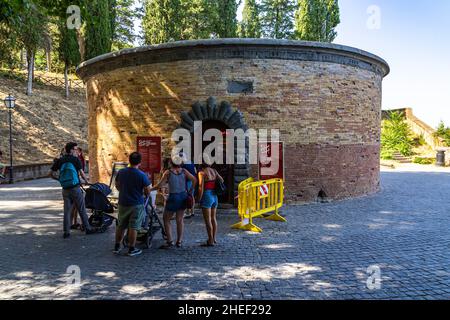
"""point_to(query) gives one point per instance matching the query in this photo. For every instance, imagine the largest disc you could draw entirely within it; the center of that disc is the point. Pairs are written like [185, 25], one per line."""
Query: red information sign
[267, 162]
[150, 149]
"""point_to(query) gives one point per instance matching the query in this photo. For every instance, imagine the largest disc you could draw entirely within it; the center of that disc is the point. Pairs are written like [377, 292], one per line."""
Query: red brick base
[341, 172]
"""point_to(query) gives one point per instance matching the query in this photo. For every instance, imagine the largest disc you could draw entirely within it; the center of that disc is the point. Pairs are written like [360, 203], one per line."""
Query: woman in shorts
[209, 201]
[176, 178]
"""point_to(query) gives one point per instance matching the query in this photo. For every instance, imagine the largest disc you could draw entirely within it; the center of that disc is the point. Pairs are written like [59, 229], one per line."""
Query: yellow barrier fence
[259, 199]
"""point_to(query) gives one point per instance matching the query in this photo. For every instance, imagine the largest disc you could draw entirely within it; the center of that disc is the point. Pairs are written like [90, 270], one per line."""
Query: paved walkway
[324, 252]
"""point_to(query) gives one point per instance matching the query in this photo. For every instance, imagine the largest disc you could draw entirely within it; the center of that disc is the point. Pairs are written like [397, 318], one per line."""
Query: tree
[316, 20]
[68, 50]
[226, 24]
[199, 19]
[124, 14]
[443, 133]
[396, 136]
[98, 33]
[250, 26]
[8, 38]
[162, 21]
[278, 18]
[30, 26]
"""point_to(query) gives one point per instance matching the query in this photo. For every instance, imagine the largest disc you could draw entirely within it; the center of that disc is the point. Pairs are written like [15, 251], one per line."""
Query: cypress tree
[98, 33]
[226, 21]
[250, 26]
[316, 20]
[199, 19]
[162, 21]
[278, 18]
[123, 16]
[68, 50]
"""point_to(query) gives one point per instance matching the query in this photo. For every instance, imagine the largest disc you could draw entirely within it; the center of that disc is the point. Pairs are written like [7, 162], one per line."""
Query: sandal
[206, 244]
[179, 244]
[168, 245]
[76, 226]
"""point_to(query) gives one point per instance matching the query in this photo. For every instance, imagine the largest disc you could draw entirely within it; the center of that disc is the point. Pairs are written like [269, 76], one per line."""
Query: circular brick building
[324, 98]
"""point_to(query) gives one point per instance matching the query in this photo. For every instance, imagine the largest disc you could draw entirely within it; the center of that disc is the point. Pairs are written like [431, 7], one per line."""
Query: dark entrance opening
[322, 197]
[225, 170]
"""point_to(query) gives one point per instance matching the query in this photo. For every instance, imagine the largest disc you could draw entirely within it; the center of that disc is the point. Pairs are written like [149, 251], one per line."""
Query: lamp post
[10, 103]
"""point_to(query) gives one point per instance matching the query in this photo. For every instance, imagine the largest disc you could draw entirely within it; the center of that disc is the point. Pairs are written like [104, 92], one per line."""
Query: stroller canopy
[96, 198]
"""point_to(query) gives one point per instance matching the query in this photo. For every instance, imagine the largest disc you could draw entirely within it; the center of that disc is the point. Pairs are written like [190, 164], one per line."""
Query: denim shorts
[209, 200]
[176, 202]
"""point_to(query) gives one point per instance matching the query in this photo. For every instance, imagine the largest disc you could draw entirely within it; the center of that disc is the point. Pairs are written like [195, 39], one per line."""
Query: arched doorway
[222, 117]
[225, 170]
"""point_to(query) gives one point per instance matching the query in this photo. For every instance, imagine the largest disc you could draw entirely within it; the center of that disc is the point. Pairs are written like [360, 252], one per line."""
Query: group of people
[180, 183]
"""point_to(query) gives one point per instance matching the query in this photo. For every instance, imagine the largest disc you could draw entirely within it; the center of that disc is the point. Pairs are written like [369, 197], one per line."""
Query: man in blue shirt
[132, 183]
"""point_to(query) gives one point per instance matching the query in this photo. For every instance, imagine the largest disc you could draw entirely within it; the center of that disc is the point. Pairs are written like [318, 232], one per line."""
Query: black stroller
[151, 226]
[96, 199]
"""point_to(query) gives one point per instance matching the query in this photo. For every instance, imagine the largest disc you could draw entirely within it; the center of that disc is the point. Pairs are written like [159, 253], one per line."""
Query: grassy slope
[43, 123]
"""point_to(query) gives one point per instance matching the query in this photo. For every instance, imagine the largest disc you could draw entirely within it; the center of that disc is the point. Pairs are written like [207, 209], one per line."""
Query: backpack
[220, 186]
[68, 176]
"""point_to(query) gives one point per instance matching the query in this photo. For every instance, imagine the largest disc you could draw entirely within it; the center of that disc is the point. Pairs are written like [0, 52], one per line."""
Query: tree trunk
[30, 60]
[49, 60]
[66, 79]
[22, 59]
[81, 44]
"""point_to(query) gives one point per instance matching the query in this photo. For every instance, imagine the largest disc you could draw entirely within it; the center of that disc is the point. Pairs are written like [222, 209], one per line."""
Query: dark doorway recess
[222, 117]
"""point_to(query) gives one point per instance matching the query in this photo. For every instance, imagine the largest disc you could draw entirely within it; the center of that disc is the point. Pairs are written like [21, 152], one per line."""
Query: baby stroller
[152, 224]
[97, 200]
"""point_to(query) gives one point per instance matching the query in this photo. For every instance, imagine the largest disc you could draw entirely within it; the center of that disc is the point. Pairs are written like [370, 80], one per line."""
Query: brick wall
[329, 115]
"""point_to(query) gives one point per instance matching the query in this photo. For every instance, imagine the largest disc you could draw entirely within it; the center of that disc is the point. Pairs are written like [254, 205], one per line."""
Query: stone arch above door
[232, 118]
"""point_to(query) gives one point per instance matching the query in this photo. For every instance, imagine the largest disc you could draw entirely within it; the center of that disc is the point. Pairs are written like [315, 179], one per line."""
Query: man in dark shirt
[132, 183]
[72, 196]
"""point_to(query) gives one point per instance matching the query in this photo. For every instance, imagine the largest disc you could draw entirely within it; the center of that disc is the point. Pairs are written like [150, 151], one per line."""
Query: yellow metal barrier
[259, 199]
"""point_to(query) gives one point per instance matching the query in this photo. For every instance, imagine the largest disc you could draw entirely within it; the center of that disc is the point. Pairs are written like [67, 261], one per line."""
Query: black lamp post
[10, 103]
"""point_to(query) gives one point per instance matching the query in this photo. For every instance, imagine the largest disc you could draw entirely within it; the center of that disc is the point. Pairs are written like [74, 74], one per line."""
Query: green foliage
[316, 20]
[98, 35]
[396, 136]
[123, 16]
[426, 161]
[250, 26]
[163, 21]
[277, 18]
[226, 24]
[443, 132]
[68, 45]
[419, 141]
[30, 25]
[172, 20]
[199, 19]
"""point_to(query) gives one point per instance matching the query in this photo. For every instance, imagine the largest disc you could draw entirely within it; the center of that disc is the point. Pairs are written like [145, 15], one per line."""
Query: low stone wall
[28, 172]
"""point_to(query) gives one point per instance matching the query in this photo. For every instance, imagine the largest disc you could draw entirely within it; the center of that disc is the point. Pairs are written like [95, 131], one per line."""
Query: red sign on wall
[150, 149]
[268, 160]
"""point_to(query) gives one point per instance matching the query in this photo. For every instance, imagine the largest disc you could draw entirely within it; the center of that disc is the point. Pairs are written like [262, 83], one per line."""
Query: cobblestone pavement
[323, 252]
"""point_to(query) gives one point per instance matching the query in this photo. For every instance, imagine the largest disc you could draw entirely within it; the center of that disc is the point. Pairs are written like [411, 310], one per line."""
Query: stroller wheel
[148, 241]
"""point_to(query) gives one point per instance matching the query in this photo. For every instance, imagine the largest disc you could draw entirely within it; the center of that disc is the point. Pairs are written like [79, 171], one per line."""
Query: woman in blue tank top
[176, 178]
